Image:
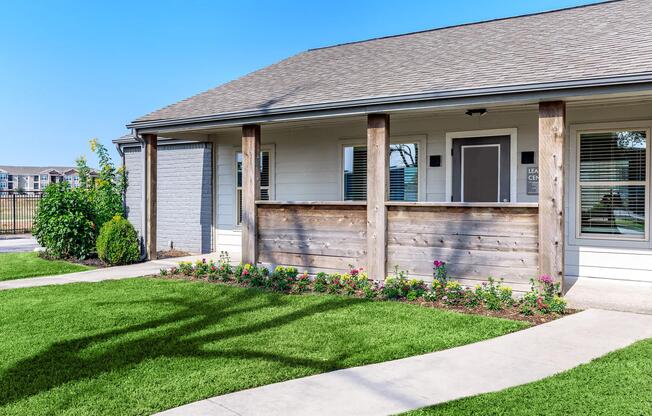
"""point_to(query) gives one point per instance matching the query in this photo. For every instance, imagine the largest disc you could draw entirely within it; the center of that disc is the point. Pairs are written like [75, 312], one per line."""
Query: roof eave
[539, 91]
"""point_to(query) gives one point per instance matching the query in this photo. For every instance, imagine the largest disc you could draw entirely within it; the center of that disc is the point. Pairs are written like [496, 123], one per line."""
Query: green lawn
[137, 346]
[21, 265]
[617, 384]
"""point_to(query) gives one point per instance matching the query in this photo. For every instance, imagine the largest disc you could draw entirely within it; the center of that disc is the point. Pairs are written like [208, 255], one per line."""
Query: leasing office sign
[532, 187]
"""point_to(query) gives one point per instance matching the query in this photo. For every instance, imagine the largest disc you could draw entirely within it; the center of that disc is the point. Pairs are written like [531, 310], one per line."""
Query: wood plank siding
[313, 237]
[475, 242]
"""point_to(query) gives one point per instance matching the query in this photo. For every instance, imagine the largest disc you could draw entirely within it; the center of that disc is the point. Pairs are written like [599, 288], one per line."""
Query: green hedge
[118, 242]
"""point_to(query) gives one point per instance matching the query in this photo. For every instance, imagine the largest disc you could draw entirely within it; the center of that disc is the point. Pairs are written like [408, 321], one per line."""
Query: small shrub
[163, 272]
[185, 268]
[320, 284]
[282, 278]
[356, 280]
[302, 283]
[202, 267]
[224, 267]
[65, 222]
[400, 287]
[543, 297]
[118, 242]
[455, 293]
[333, 283]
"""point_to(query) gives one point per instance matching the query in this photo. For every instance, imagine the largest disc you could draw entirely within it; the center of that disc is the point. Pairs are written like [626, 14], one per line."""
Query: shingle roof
[588, 42]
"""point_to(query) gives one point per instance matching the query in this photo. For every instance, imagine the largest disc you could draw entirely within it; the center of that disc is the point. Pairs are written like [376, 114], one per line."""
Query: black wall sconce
[476, 112]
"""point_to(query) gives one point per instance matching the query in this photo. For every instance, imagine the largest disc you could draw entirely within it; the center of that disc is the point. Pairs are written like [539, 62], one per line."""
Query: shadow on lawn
[66, 361]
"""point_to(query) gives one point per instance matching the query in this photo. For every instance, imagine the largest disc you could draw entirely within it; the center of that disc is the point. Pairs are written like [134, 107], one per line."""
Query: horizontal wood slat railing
[312, 236]
[475, 240]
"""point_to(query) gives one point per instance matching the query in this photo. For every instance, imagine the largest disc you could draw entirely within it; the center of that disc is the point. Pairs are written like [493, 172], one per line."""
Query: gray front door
[481, 169]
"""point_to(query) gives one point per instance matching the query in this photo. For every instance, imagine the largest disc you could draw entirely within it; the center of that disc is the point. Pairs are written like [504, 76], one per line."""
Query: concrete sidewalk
[397, 386]
[17, 243]
[615, 295]
[109, 273]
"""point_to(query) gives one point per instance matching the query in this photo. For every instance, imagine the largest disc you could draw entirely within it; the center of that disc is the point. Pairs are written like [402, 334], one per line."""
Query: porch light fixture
[476, 112]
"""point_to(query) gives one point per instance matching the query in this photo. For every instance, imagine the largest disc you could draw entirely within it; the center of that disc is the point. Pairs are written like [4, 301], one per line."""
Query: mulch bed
[168, 254]
[90, 261]
[512, 313]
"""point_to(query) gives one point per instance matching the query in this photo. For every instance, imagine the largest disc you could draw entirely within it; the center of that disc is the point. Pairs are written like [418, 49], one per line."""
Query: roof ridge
[498, 19]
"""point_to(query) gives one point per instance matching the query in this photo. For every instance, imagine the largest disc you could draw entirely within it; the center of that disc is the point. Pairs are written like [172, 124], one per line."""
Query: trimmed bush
[65, 222]
[118, 242]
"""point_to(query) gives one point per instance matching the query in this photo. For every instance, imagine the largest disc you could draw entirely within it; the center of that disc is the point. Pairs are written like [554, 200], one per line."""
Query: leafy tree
[106, 192]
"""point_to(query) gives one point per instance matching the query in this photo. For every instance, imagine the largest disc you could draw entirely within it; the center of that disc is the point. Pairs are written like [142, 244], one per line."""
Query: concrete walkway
[615, 295]
[17, 243]
[109, 273]
[401, 385]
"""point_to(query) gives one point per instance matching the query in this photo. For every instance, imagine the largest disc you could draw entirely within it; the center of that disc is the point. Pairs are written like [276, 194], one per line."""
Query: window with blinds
[403, 172]
[612, 176]
[264, 181]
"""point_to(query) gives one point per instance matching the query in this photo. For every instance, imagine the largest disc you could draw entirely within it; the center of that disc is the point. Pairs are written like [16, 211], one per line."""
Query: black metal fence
[17, 211]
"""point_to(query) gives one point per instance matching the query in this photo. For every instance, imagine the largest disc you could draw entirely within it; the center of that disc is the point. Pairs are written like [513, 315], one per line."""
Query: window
[612, 182]
[35, 178]
[264, 180]
[403, 172]
[11, 178]
[36, 186]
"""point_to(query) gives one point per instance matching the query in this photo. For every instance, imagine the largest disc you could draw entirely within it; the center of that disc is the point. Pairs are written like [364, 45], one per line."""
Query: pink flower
[540, 303]
[354, 272]
[245, 272]
[546, 279]
[438, 263]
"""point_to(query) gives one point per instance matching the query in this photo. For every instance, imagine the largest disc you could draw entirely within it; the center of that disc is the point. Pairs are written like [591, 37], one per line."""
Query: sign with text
[532, 180]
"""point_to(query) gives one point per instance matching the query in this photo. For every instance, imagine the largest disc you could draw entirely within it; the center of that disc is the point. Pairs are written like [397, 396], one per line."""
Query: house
[507, 148]
[31, 179]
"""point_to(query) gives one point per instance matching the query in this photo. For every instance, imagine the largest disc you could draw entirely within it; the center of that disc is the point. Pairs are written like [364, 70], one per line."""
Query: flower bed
[540, 304]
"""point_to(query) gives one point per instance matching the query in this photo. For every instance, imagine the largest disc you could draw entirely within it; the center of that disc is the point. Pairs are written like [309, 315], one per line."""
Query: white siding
[308, 167]
[604, 259]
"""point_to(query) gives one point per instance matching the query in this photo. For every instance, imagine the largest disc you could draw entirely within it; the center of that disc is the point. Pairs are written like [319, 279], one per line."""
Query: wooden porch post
[250, 191]
[151, 147]
[552, 135]
[377, 175]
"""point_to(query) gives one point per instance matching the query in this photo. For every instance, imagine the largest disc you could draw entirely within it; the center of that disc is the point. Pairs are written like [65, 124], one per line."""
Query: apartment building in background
[31, 179]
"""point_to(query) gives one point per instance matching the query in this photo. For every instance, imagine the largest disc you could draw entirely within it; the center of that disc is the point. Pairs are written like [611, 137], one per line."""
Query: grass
[22, 265]
[619, 383]
[137, 346]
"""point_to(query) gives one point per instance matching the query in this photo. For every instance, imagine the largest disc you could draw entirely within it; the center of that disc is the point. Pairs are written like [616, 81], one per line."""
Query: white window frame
[420, 139]
[513, 155]
[270, 148]
[578, 237]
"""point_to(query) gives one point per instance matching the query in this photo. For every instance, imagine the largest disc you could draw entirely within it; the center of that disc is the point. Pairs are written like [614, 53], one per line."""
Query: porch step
[615, 295]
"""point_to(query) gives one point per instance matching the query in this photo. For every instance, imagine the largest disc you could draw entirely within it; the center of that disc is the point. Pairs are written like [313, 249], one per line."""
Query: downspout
[143, 206]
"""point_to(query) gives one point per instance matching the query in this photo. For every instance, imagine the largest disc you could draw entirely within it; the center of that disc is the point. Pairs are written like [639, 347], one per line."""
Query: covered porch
[286, 193]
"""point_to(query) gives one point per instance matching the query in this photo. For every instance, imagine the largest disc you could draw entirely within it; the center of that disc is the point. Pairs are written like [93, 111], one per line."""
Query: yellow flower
[93, 143]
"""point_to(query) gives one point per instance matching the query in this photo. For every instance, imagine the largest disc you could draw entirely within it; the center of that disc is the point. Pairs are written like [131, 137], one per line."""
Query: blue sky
[74, 70]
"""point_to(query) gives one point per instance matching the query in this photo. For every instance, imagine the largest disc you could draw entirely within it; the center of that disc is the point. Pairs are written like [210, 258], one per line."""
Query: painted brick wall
[184, 195]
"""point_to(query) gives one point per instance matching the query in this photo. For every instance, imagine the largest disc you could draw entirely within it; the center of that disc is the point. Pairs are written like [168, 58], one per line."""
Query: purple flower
[438, 263]
[546, 279]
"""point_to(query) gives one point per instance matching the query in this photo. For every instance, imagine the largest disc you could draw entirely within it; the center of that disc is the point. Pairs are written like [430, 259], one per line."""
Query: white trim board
[513, 155]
